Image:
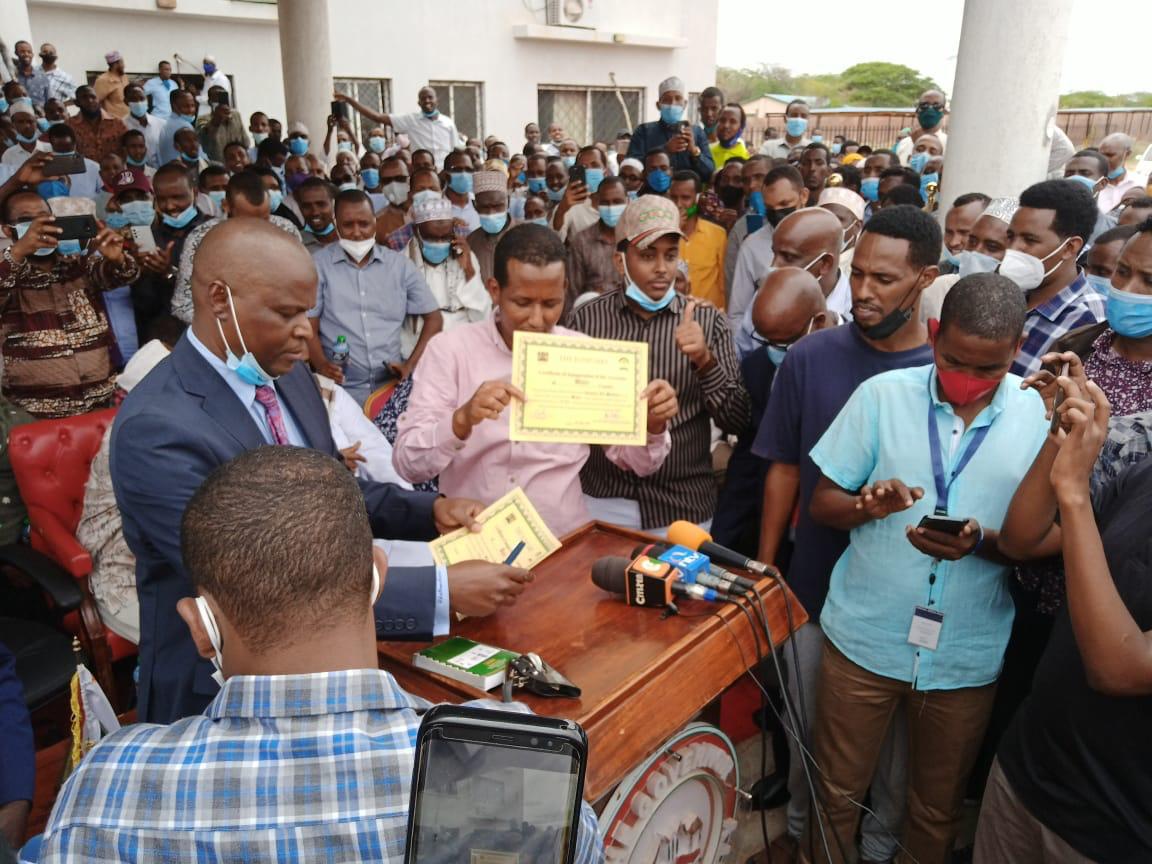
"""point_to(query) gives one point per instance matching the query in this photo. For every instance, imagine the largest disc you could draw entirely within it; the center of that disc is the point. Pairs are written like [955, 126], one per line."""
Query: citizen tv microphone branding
[645, 581]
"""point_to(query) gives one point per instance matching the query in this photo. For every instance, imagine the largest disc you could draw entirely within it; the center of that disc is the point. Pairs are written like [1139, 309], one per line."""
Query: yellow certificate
[578, 391]
[507, 523]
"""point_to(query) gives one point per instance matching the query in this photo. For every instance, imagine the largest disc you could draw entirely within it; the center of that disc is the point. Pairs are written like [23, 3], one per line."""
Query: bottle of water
[340, 352]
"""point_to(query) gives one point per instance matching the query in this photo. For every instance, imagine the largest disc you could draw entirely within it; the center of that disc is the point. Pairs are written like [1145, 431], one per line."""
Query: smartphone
[1056, 403]
[221, 98]
[58, 166]
[944, 524]
[685, 126]
[76, 227]
[142, 237]
[496, 787]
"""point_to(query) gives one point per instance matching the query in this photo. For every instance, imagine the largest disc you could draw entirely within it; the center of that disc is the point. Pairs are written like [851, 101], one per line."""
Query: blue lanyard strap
[943, 486]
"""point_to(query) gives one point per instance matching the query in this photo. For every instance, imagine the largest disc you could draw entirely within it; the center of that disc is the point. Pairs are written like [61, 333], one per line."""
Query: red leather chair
[51, 460]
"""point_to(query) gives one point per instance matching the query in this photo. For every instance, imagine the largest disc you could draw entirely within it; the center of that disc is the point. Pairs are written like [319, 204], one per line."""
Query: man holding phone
[292, 636]
[579, 208]
[918, 611]
[687, 145]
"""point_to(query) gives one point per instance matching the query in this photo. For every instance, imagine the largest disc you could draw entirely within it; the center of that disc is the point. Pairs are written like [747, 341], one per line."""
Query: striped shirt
[278, 768]
[683, 487]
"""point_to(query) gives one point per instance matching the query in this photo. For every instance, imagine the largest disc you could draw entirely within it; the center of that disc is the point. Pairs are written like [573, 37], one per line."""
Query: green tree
[743, 85]
[887, 85]
[1087, 99]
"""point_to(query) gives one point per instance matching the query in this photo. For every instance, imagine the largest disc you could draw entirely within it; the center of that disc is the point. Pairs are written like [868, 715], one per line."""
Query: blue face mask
[209, 68]
[1129, 314]
[377, 143]
[22, 229]
[776, 354]
[610, 213]
[836, 148]
[190, 119]
[344, 146]
[593, 177]
[520, 178]
[138, 109]
[435, 252]
[1116, 174]
[371, 177]
[192, 160]
[460, 182]
[181, 219]
[297, 146]
[568, 161]
[555, 194]
[138, 212]
[633, 293]
[1087, 182]
[1101, 284]
[246, 368]
[43, 124]
[925, 180]
[493, 223]
[3, 105]
[68, 247]
[870, 188]
[970, 261]
[796, 126]
[275, 199]
[431, 115]
[52, 189]
[659, 181]
[756, 203]
[536, 185]
[817, 139]
[137, 163]
[917, 161]
[950, 259]
[31, 139]
[217, 196]
[324, 233]
[633, 194]
[539, 220]
[116, 220]
[670, 114]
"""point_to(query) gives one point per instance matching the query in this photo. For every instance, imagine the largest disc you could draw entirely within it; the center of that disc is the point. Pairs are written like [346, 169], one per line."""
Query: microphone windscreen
[688, 534]
[609, 574]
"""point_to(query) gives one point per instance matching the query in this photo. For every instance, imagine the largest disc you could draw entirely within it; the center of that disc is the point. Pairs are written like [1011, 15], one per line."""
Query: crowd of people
[936, 434]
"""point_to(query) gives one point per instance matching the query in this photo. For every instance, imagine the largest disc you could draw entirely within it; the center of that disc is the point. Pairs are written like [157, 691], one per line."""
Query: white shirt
[904, 148]
[582, 216]
[16, 155]
[1110, 195]
[438, 135]
[461, 300]
[349, 425]
[216, 79]
[152, 132]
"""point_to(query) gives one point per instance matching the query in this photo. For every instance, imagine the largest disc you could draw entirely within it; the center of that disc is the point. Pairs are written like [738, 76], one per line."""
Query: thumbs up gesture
[690, 338]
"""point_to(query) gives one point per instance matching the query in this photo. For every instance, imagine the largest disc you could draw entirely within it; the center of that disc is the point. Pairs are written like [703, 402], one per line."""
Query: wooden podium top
[642, 676]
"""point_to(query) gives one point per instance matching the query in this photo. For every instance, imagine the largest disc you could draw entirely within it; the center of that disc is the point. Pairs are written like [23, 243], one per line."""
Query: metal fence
[589, 114]
[878, 128]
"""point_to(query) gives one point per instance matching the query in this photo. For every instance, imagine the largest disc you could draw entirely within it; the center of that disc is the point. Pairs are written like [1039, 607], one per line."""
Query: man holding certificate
[456, 425]
[690, 345]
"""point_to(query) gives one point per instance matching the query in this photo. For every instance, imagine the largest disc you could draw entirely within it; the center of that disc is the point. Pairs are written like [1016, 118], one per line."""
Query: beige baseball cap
[647, 219]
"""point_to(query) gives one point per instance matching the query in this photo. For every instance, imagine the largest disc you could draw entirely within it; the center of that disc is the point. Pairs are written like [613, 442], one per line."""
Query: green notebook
[479, 666]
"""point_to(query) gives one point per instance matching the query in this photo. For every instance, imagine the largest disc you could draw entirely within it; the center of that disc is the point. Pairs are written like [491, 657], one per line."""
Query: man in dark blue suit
[236, 381]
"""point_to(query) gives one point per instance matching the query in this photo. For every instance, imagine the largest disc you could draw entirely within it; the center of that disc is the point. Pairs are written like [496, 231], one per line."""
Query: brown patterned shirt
[95, 140]
[56, 334]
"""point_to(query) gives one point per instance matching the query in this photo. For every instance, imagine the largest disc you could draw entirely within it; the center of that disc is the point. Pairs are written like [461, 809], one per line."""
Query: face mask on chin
[357, 249]
[893, 321]
[247, 367]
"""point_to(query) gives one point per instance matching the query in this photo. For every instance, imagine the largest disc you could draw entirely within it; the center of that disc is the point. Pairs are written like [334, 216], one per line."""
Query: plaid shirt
[1075, 306]
[278, 768]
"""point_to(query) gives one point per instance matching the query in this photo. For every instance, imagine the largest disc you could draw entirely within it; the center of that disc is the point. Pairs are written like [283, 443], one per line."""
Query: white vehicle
[1144, 166]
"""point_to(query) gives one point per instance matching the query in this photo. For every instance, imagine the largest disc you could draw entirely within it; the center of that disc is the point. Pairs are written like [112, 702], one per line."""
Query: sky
[847, 32]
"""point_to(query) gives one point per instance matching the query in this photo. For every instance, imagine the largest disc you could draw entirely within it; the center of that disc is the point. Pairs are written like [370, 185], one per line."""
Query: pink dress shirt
[487, 465]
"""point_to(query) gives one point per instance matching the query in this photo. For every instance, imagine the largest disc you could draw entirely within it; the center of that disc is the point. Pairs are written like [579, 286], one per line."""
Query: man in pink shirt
[455, 425]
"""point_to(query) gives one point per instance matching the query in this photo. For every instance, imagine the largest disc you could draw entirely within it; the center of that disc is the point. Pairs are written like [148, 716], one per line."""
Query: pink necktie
[266, 396]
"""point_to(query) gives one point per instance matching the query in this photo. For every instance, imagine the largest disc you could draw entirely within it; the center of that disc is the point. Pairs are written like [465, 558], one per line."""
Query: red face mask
[960, 388]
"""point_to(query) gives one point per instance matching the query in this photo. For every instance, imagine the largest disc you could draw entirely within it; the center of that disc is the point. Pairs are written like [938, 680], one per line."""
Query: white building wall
[409, 43]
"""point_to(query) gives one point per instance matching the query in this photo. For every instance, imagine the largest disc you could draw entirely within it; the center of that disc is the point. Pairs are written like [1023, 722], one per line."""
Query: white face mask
[213, 631]
[396, 192]
[1027, 271]
[971, 261]
[357, 249]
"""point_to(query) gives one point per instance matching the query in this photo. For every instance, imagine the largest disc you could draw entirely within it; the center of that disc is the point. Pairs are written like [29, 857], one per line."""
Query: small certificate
[578, 391]
[507, 523]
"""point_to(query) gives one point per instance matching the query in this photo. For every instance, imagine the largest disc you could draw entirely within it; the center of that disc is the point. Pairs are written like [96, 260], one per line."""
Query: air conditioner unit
[572, 13]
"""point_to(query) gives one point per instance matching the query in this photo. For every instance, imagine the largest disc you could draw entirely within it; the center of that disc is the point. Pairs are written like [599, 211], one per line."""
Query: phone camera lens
[535, 742]
[548, 744]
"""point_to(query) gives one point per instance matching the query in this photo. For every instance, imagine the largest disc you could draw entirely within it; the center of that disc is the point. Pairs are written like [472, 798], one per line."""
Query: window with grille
[374, 93]
[462, 101]
[589, 114]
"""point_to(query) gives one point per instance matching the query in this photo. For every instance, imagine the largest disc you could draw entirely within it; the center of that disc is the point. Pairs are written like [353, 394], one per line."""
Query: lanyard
[943, 486]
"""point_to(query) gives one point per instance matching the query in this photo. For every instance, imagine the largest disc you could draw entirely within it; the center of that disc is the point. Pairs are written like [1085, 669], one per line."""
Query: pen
[515, 553]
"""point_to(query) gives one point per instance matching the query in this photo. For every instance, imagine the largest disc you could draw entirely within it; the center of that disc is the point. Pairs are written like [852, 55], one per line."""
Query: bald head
[788, 302]
[813, 239]
[257, 283]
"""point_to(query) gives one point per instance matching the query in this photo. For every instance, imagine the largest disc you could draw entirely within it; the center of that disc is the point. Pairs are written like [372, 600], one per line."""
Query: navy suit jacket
[179, 424]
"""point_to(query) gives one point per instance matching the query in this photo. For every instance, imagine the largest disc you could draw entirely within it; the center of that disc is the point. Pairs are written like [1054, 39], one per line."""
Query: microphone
[694, 537]
[645, 581]
[714, 577]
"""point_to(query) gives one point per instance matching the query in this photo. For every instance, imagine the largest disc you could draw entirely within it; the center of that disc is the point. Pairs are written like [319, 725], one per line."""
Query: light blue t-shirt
[161, 93]
[882, 433]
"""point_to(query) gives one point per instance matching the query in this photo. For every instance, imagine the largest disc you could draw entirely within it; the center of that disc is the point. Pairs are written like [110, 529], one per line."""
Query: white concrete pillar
[306, 62]
[15, 25]
[1006, 94]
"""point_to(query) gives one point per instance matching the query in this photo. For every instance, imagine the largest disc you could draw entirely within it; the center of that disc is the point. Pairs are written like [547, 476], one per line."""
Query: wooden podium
[642, 676]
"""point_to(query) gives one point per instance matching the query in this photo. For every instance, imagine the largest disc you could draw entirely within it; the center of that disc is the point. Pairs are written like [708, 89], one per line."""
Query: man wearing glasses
[930, 111]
